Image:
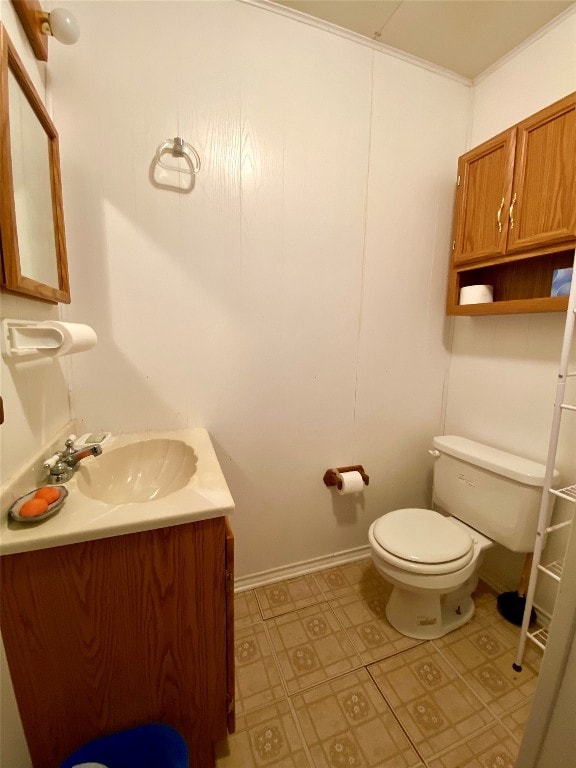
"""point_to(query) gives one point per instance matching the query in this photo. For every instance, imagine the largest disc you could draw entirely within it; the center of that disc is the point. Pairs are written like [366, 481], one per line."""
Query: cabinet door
[543, 209]
[230, 674]
[110, 634]
[483, 199]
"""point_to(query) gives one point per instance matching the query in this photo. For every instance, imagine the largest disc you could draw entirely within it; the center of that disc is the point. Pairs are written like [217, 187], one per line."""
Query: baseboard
[301, 568]
[292, 571]
[494, 584]
[543, 616]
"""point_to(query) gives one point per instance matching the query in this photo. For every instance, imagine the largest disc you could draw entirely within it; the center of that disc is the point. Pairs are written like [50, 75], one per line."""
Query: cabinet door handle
[512, 211]
[499, 214]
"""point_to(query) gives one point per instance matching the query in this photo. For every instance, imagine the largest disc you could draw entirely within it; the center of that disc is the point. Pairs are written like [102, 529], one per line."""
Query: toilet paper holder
[332, 476]
[22, 338]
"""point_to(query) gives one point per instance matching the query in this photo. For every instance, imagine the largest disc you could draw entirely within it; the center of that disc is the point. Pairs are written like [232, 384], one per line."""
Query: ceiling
[465, 36]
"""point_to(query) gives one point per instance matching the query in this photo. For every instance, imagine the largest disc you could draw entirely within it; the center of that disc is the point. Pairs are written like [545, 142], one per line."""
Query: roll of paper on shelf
[476, 294]
[352, 482]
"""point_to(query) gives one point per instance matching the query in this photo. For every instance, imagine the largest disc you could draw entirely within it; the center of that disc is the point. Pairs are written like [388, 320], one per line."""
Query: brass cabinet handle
[512, 211]
[499, 214]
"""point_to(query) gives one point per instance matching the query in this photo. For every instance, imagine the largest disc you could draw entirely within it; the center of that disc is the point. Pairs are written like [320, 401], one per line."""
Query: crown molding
[555, 22]
[354, 37]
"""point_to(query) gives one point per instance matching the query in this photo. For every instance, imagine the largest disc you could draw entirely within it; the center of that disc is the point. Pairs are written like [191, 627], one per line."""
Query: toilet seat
[422, 541]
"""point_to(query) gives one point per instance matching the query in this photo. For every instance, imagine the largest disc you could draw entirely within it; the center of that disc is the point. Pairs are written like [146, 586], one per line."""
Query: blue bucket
[147, 746]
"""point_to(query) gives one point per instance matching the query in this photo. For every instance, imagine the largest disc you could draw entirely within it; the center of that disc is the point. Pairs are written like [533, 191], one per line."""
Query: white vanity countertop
[83, 517]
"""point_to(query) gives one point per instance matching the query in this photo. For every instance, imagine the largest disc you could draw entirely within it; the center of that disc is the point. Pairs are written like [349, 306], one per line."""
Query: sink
[139, 472]
[142, 481]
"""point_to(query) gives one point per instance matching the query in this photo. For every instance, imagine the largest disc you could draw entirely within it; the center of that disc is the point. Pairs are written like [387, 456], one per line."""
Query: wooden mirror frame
[12, 278]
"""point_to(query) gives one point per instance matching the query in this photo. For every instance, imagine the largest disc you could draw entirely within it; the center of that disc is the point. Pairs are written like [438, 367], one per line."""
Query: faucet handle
[69, 446]
[49, 463]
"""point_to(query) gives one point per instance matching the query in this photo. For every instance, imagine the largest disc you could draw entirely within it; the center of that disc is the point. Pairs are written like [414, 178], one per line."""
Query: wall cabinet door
[543, 207]
[483, 199]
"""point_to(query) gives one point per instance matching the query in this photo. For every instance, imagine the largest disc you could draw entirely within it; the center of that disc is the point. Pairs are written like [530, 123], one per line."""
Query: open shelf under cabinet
[520, 285]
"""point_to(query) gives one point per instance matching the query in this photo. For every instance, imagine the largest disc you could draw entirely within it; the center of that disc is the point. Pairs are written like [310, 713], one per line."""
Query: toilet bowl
[432, 562]
[432, 559]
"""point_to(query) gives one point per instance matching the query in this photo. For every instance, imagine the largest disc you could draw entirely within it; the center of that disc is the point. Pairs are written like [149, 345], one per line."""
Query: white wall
[560, 741]
[550, 739]
[531, 79]
[504, 369]
[293, 303]
[36, 407]
[35, 395]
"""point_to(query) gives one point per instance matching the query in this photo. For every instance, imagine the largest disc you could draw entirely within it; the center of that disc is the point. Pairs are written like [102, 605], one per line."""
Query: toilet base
[429, 616]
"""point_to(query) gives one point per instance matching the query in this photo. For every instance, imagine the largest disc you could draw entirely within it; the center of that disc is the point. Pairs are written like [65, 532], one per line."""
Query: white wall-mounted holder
[175, 176]
[177, 147]
[49, 338]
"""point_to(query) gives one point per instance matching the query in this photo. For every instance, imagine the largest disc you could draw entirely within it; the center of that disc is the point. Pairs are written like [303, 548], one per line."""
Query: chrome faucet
[61, 466]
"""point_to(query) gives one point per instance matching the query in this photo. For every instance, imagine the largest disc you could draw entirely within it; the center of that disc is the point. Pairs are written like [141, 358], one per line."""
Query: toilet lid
[421, 536]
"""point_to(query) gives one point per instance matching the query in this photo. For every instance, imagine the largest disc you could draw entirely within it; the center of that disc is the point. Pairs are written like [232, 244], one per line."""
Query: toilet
[481, 496]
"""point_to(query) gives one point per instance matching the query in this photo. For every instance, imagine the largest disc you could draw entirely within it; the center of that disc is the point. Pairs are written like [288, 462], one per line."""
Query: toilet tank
[495, 492]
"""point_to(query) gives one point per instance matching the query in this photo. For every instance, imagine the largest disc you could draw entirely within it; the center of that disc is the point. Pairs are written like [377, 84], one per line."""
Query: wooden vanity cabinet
[109, 634]
[516, 201]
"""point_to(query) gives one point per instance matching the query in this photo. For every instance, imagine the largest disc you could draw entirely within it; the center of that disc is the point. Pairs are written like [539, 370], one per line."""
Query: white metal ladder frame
[554, 570]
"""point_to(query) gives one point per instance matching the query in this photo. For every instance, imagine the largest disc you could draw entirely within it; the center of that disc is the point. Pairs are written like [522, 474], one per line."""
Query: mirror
[34, 259]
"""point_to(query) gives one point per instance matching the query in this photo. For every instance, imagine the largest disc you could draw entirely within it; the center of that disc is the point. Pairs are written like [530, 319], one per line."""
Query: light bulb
[63, 26]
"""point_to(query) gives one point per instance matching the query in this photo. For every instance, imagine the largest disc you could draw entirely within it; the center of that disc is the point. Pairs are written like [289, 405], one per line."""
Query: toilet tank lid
[501, 462]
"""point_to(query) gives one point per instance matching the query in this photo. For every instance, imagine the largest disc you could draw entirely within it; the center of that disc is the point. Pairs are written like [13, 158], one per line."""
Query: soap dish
[14, 510]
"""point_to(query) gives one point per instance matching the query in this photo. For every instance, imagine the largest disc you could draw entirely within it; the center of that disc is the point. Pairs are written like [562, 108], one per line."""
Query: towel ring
[177, 147]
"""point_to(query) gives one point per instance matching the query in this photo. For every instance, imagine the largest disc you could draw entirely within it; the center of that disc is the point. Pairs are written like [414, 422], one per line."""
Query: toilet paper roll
[476, 294]
[351, 483]
[74, 337]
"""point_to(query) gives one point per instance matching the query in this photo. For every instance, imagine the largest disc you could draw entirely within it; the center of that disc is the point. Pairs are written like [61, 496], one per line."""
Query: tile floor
[324, 681]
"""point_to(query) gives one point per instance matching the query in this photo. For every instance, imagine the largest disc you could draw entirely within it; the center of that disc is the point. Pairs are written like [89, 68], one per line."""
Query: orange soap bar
[33, 508]
[50, 494]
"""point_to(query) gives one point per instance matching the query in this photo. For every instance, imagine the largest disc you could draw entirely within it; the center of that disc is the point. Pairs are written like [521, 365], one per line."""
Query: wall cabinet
[515, 213]
[109, 634]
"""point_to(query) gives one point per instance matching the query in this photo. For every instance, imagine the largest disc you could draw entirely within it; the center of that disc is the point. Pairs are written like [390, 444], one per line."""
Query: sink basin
[141, 482]
[139, 472]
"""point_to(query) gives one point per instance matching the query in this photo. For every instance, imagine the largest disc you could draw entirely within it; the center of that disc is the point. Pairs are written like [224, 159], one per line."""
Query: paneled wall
[35, 395]
[504, 369]
[36, 407]
[293, 302]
